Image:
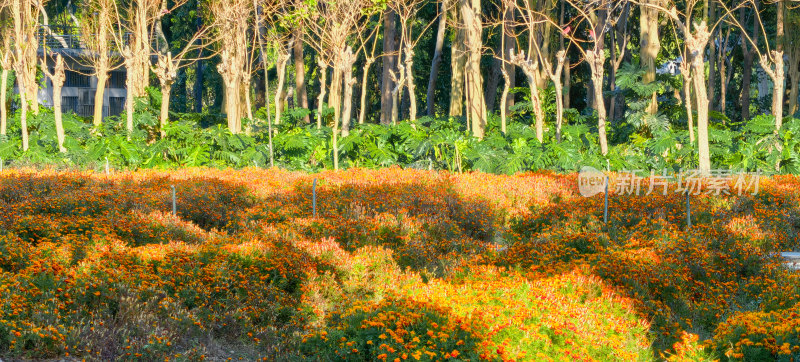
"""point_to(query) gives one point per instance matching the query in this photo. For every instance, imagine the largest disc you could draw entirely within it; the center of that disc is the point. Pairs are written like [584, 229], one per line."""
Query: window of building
[69, 104]
[117, 80]
[75, 79]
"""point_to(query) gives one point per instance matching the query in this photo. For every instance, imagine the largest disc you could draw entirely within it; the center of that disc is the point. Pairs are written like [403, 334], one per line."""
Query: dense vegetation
[407, 264]
[443, 144]
[511, 85]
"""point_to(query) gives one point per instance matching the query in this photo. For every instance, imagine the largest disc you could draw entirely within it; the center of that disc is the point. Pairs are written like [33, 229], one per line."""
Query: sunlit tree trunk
[476, 106]
[300, 72]
[348, 60]
[362, 116]
[696, 44]
[57, 78]
[596, 59]
[390, 60]
[437, 59]
[3, 104]
[283, 60]
[650, 46]
[323, 70]
[458, 60]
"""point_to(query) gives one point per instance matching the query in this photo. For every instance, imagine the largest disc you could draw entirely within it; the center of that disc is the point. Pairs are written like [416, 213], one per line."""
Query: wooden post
[174, 206]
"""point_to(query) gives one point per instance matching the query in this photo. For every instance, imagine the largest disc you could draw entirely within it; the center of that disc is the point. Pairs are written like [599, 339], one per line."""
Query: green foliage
[194, 140]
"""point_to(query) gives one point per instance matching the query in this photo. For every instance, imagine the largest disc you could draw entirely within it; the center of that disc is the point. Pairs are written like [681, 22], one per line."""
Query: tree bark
[650, 46]
[794, 74]
[300, 73]
[390, 61]
[348, 60]
[748, 55]
[596, 59]
[365, 78]
[458, 60]
[412, 96]
[283, 59]
[476, 106]
[102, 78]
[323, 68]
[437, 60]
[696, 44]
[57, 78]
[3, 102]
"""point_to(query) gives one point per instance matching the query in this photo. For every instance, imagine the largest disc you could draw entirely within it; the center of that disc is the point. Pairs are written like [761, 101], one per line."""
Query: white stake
[106, 165]
[314, 197]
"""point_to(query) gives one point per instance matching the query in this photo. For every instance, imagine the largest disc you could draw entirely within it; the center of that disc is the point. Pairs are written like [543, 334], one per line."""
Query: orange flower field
[396, 265]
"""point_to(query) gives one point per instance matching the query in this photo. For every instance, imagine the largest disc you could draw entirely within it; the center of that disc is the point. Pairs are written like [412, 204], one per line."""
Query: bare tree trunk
[490, 91]
[23, 118]
[596, 59]
[697, 44]
[504, 100]
[437, 60]
[335, 102]
[102, 78]
[199, 85]
[57, 78]
[412, 96]
[283, 59]
[476, 106]
[348, 60]
[508, 69]
[458, 60]
[3, 104]
[166, 89]
[687, 97]
[390, 60]
[365, 78]
[747, 69]
[650, 46]
[794, 74]
[323, 68]
[300, 72]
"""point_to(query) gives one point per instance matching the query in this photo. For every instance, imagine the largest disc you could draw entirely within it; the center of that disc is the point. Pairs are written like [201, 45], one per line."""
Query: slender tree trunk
[365, 78]
[650, 46]
[686, 72]
[166, 89]
[335, 102]
[712, 59]
[3, 102]
[458, 61]
[596, 59]
[348, 60]
[198, 87]
[283, 59]
[504, 100]
[747, 68]
[697, 45]
[794, 74]
[102, 77]
[510, 71]
[23, 118]
[437, 60]
[323, 69]
[412, 96]
[490, 91]
[476, 106]
[58, 117]
[390, 60]
[300, 72]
